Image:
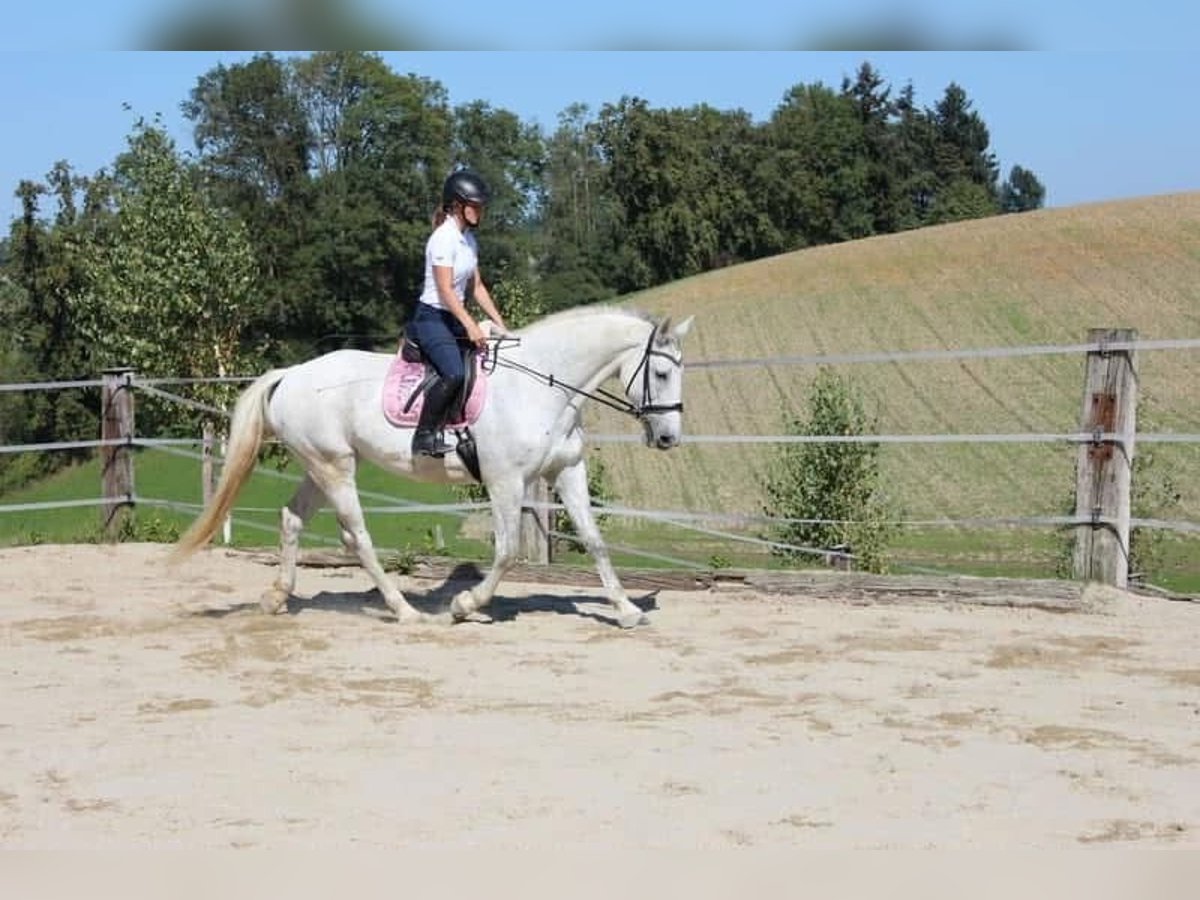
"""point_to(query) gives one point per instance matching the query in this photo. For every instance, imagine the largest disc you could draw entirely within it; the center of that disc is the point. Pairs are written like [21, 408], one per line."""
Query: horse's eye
[661, 376]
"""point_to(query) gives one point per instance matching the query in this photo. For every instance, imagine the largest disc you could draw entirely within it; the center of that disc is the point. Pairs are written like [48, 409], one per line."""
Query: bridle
[621, 404]
[646, 408]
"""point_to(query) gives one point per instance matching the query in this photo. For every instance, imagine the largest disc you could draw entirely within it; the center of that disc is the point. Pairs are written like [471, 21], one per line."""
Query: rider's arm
[480, 292]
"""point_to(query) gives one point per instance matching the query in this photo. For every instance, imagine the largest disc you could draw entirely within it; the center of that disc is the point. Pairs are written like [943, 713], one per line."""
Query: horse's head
[654, 384]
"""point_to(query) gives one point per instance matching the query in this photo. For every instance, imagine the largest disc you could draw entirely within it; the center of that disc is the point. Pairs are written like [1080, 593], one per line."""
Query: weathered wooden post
[208, 482]
[535, 525]
[206, 464]
[1104, 468]
[116, 472]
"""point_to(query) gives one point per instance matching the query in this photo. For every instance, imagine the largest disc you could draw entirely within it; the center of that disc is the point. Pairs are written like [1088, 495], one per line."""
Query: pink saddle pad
[404, 377]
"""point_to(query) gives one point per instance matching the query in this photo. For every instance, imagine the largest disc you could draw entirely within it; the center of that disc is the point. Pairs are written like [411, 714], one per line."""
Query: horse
[328, 412]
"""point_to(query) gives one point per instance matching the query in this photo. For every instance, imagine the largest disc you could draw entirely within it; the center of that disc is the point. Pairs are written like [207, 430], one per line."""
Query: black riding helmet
[466, 187]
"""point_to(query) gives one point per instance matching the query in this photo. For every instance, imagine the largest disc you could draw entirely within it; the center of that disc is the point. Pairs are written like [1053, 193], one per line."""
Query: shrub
[834, 486]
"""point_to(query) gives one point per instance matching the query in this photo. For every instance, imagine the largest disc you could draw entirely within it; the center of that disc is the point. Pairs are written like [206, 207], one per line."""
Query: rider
[440, 319]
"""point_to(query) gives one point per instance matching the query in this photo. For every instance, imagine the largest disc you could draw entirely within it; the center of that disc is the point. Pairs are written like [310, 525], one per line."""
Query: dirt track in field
[145, 707]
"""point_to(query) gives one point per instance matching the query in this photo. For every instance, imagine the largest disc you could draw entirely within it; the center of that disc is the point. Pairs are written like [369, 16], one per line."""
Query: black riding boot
[428, 439]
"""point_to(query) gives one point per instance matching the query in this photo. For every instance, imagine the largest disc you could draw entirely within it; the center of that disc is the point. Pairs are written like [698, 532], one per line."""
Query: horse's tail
[246, 431]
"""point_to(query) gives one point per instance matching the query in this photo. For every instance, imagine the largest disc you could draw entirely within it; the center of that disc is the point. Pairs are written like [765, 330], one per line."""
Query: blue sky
[1092, 125]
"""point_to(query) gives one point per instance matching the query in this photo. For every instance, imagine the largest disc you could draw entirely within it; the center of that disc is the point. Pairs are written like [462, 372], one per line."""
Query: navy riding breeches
[441, 338]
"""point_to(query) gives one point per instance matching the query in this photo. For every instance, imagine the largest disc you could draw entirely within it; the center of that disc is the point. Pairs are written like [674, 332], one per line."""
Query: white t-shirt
[448, 246]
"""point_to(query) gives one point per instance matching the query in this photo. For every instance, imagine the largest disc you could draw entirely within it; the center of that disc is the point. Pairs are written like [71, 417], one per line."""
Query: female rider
[440, 320]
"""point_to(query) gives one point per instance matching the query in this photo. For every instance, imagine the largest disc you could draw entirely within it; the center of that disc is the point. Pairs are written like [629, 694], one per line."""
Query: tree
[171, 287]
[577, 215]
[815, 178]
[1021, 191]
[39, 338]
[960, 153]
[871, 97]
[835, 487]
[254, 146]
[388, 140]
[510, 157]
[681, 180]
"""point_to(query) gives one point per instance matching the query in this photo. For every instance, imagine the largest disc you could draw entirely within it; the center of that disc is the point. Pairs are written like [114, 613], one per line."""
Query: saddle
[411, 374]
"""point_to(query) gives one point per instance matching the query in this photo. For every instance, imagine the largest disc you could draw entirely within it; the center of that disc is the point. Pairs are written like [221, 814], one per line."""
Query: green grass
[1008, 552]
[158, 476]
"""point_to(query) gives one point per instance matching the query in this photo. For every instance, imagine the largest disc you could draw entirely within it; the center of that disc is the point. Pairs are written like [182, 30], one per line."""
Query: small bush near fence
[838, 484]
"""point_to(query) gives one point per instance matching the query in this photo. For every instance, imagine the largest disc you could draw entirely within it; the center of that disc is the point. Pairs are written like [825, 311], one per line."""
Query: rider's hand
[476, 336]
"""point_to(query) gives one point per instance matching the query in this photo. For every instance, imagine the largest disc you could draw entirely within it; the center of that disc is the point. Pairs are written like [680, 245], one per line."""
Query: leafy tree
[254, 144]
[510, 156]
[170, 288]
[959, 200]
[815, 178]
[577, 215]
[835, 482]
[39, 339]
[681, 178]
[374, 214]
[1021, 191]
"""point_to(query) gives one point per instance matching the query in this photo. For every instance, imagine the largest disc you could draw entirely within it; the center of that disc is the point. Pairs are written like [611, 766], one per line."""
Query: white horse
[328, 412]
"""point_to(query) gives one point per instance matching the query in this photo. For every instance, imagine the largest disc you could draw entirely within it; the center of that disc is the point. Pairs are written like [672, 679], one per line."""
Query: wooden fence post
[206, 464]
[1104, 469]
[116, 424]
[535, 525]
[208, 481]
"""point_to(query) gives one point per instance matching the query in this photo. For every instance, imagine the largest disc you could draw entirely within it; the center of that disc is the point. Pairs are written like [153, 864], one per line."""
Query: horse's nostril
[666, 441]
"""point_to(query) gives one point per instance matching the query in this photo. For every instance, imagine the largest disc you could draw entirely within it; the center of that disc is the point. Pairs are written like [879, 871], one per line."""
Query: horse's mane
[584, 312]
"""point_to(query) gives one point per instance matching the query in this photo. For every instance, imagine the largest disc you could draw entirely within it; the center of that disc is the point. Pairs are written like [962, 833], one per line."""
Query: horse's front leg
[506, 497]
[573, 489]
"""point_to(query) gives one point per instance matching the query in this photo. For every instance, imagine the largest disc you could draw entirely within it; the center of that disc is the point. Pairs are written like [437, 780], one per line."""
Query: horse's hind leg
[342, 493]
[306, 501]
[573, 489]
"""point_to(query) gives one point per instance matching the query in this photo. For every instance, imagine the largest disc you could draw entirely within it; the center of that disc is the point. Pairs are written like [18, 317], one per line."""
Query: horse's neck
[583, 351]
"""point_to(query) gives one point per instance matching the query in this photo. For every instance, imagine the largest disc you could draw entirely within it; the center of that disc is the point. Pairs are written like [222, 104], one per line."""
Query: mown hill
[1035, 278]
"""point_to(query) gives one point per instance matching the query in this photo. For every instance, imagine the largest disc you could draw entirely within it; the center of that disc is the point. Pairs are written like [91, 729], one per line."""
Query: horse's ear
[662, 331]
[682, 328]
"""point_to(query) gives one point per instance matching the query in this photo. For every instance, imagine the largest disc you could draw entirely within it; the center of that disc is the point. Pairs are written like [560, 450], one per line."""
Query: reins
[492, 359]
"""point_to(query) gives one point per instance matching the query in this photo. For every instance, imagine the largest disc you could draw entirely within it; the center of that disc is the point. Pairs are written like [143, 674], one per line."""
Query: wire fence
[695, 522]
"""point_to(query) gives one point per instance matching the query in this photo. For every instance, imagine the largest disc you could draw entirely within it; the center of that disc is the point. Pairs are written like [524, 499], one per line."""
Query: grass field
[256, 521]
[1037, 278]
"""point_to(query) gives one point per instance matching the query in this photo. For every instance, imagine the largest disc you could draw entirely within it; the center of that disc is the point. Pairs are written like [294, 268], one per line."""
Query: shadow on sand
[436, 603]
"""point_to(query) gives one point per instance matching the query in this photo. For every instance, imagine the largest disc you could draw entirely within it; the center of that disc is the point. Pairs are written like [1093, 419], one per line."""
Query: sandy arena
[142, 707]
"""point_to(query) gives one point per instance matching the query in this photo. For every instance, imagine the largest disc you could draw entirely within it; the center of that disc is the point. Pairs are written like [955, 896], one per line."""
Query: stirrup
[430, 443]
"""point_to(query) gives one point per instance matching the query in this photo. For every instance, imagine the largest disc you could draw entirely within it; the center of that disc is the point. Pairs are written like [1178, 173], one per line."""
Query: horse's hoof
[462, 606]
[404, 613]
[633, 619]
[273, 601]
[476, 618]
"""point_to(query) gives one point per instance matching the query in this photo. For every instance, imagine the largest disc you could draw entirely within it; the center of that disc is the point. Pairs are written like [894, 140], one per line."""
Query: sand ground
[146, 707]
